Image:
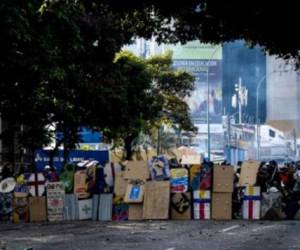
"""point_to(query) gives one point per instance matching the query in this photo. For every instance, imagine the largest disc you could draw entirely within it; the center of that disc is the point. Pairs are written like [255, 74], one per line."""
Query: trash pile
[161, 188]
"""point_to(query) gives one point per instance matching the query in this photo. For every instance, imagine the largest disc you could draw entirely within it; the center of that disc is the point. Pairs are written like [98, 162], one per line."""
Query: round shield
[7, 185]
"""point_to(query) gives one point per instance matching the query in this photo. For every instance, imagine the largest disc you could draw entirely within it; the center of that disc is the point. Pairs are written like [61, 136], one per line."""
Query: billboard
[204, 61]
[42, 157]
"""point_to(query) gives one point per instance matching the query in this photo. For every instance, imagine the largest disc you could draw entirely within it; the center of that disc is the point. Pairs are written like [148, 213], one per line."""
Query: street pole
[240, 100]
[256, 118]
[229, 139]
[258, 139]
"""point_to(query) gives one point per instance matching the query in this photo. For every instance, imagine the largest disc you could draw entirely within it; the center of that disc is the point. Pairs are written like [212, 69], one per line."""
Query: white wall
[283, 90]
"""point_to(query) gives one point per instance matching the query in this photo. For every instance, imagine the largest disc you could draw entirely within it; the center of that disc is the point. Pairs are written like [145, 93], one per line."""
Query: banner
[204, 61]
[42, 157]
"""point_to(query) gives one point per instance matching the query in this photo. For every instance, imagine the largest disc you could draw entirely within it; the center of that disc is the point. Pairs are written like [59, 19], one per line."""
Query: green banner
[195, 51]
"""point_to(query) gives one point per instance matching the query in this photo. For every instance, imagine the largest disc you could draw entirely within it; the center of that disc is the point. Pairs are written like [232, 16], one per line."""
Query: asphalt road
[158, 235]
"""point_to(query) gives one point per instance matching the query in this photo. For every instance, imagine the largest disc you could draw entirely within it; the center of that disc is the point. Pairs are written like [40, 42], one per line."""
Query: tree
[56, 58]
[267, 24]
[150, 93]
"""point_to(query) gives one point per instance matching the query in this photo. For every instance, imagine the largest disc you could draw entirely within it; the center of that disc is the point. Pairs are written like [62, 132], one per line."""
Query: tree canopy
[150, 93]
[58, 64]
[270, 25]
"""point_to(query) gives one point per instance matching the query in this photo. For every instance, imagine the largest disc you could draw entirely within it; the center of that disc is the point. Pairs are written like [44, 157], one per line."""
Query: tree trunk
[66, 145]
[128, 141]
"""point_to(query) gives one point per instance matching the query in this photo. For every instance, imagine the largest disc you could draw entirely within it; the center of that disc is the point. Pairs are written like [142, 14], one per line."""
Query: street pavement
[156, 235]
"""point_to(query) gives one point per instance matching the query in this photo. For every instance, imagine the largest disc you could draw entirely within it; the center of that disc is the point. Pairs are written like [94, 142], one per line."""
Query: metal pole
[257, 114]
[229, 139]
[240, 100]
[258, 140]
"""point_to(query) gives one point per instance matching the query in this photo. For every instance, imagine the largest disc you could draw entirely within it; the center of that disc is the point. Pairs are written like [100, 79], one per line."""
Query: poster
[204, 61]
[179, 180]
[55, 201]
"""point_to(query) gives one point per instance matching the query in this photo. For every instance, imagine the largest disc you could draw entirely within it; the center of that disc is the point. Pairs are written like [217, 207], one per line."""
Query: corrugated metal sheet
[70, 209]
[95, 207]
[105, 207]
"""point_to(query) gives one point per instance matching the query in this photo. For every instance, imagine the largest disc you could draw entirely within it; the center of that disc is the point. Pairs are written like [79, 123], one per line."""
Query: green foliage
[270, 25]
[152, 95]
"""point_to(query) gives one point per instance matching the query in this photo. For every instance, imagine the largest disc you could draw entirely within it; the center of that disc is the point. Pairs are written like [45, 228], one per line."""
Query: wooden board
[135, 212]
[181, 206]
[156, 200]
[223, 179]
[251, 203]
[120, 184]
[222, 206]
[55, 201]
[134, 192]
[201, 204]
[36, 184]
[249, 171]
[137, 170]
[191, 160]
[37, 209]
[20, 209]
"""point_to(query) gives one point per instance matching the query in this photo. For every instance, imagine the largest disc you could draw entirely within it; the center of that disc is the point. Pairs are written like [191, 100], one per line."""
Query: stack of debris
[158, 189]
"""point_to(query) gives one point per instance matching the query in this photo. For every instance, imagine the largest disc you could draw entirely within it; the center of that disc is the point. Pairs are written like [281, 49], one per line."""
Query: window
[271, 133]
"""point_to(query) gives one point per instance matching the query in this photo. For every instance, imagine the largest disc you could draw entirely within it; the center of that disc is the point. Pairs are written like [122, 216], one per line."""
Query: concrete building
[283, 95]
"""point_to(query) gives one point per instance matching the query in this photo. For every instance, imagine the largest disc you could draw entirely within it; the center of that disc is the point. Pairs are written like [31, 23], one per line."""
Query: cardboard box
[202, 204]
[156, 200]
[223, 179]
[249, 171]
[181, 206]
[37, 209]
[222, 206]
[137, 170]
[120, 184]
[134, 192]
[179, 180]
[191, 160]
[251, 203]
[135, 212]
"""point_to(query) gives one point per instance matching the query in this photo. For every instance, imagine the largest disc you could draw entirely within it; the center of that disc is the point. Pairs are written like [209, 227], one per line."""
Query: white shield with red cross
[36, 184]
